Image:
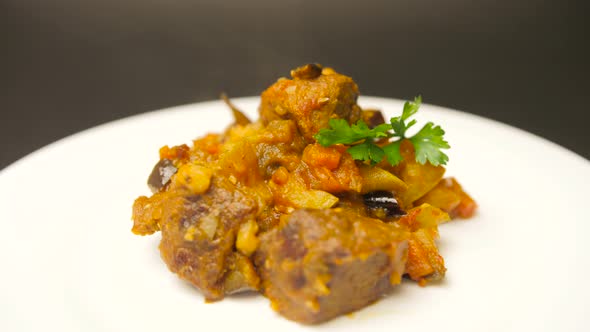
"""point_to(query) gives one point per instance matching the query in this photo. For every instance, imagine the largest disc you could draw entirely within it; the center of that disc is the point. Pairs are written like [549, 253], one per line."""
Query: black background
[67, 65]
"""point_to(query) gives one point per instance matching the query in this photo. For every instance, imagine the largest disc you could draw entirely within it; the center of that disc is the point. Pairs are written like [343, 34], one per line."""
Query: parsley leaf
[340, 132]
[398, 123]
[367, 151]
[393, 153]
[428, 141]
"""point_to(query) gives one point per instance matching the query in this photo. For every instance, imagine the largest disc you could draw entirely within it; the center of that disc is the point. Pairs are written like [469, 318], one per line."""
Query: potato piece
[419, 178]
[295, 194]
[311, 199]
[376, 178]
[424, 263]
[423, 217]
[240, 162]
[449, 196]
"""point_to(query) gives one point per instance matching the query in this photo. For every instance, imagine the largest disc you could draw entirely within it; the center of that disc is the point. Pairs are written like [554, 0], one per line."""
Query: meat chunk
[198, 236]
[319, 264]
[311, 98]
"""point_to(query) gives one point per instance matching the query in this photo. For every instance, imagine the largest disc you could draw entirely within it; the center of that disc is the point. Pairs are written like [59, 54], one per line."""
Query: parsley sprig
[428, 141]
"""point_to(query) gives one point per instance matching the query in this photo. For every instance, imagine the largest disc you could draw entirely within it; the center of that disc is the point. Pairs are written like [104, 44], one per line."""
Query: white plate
[70, 262]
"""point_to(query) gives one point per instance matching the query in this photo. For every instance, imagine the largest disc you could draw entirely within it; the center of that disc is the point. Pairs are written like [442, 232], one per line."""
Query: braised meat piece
[313, 97]
[319, 264]
[198, 236]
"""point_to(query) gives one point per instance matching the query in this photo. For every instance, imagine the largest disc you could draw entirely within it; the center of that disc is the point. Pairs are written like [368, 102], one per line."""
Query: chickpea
[195, 178]
[247, 242]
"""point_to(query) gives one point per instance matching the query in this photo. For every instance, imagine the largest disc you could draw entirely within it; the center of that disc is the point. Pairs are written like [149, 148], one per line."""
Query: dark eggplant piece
[373, 118]
[307, 72]
[239, 116]
[383, 203]
[161, 175]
